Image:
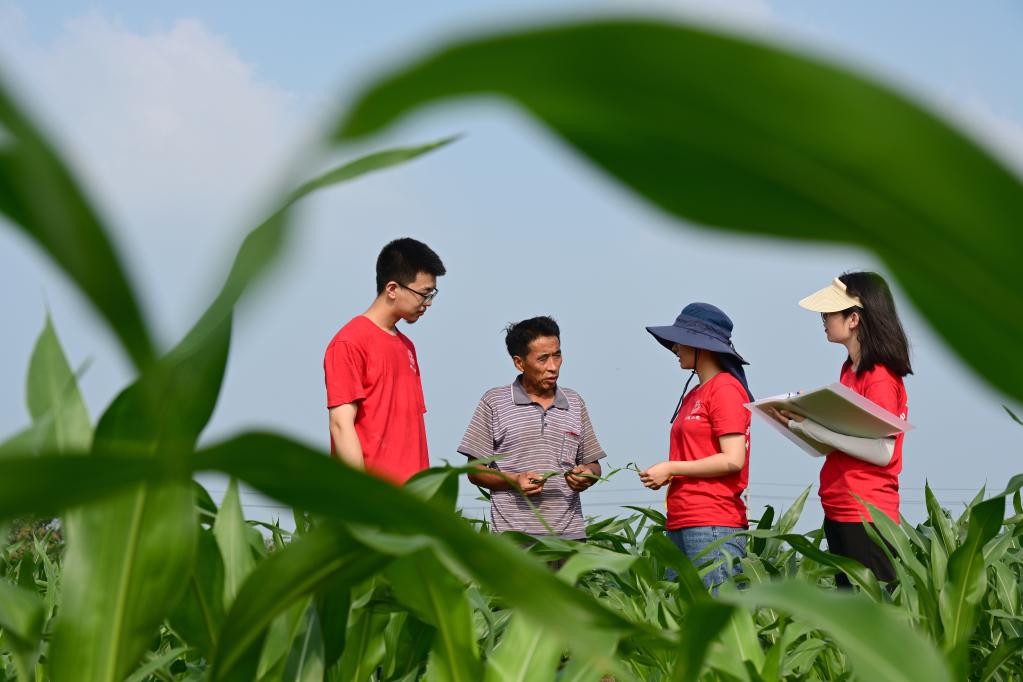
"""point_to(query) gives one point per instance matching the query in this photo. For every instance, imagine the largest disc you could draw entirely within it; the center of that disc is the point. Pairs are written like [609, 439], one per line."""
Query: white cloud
[181, 96]
[174, 133]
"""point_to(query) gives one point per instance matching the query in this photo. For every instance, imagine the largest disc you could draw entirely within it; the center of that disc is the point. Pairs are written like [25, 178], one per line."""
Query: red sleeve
[344, 370]
[727, 411]
[884, 392]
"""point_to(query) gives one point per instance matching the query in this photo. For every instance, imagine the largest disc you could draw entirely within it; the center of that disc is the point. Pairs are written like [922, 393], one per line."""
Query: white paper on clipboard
[835, 407]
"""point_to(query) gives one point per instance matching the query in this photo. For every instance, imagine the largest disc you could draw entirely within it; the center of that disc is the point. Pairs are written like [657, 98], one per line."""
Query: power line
[618, 503]
[752, 484]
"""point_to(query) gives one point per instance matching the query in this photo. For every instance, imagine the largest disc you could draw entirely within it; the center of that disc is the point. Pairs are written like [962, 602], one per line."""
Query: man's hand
[580, 483]
[656, 476]
[529, 482]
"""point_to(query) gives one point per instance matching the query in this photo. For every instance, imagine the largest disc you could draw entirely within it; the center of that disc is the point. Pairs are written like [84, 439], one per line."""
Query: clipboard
[836, 407]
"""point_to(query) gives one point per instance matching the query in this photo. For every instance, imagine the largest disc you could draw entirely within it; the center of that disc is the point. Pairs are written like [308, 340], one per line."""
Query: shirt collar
[520, 397]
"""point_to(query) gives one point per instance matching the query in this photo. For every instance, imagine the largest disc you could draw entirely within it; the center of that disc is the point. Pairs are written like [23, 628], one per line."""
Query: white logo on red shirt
[411, 361]
[692, 416]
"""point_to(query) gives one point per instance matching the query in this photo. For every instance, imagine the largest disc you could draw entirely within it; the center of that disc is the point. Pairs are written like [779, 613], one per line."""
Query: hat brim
[668, 336]
[830, 299]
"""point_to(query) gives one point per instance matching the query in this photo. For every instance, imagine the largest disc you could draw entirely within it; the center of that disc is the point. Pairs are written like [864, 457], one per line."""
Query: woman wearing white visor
[858, 312]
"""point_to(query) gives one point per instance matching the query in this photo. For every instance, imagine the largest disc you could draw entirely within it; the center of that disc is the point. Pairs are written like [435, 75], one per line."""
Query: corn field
[143, 577]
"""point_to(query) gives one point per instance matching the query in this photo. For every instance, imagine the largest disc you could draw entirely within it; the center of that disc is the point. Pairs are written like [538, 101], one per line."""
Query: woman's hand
[656, 476]
[783, 416]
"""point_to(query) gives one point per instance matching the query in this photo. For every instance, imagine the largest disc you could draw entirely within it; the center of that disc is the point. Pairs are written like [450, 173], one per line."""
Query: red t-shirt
[365, 364]
[843, 476]
[708, 412]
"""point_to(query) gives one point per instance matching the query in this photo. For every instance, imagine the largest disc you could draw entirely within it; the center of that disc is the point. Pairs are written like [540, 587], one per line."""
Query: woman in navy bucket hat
[708, 458]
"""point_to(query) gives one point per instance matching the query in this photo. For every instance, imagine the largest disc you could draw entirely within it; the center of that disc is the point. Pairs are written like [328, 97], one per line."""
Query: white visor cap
[830, 299]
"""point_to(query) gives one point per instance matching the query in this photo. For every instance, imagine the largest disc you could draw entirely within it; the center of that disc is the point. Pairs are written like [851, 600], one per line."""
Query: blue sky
[182, 116]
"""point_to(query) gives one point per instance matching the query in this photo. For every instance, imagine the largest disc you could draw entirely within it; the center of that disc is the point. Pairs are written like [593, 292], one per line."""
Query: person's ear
[854, 320]
[519, 363]
[391, 290]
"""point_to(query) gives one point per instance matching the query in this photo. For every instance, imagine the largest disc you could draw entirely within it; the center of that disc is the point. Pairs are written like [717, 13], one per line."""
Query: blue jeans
[693, 540]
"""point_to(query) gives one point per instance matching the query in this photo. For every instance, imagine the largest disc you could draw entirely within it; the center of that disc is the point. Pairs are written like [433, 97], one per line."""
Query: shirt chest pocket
[570, 449]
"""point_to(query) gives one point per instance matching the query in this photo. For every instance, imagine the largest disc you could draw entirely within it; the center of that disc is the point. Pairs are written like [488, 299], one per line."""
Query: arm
[876, 451]
[730, 460]
[786, 419]
[485, 477]
[347, 446]
[478, 442]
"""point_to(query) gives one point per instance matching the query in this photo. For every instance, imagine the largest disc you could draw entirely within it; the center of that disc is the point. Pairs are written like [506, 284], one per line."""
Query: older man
[547, 450]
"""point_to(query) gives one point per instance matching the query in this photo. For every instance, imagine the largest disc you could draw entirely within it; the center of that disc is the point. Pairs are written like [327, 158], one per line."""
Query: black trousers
[851, 540]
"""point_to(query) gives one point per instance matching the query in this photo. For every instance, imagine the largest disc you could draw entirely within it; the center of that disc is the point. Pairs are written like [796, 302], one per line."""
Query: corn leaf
[436, 597]
[199, 614]
[232, 534]
[294, 474]
[366, 646]
[878, 645]
[54, 482]
[21, 616]
[305, 663]
[967, 580]
[52, 395]
[704, 624]
[333, 604]
[326, 553]
[130, 557]
[824, 155]
[527, 652]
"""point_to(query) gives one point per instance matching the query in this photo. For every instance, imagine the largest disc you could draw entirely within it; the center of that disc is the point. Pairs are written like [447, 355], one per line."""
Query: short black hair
[403, 259]
[519, 335]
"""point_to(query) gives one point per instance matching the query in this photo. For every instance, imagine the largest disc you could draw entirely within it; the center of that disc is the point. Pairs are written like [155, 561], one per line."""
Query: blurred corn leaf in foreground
[738, 135]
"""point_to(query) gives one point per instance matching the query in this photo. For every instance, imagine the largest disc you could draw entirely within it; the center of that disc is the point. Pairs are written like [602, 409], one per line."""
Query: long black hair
[882, 339]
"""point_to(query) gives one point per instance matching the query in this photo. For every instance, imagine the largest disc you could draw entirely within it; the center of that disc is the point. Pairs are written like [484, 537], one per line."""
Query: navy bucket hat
[703, 326]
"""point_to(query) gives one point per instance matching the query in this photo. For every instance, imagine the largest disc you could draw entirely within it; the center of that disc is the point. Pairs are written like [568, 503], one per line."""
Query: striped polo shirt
[529, 438]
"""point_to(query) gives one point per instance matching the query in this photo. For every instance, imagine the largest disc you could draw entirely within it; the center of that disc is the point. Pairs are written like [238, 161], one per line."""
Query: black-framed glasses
[426, 297]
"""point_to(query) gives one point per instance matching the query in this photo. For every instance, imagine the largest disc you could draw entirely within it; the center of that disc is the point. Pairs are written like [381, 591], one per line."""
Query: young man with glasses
[374, 393]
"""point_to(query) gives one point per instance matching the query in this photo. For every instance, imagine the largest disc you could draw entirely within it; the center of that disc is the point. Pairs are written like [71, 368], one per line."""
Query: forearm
[876, 451]
[490, 479]
[714, 466]
[347, 446]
